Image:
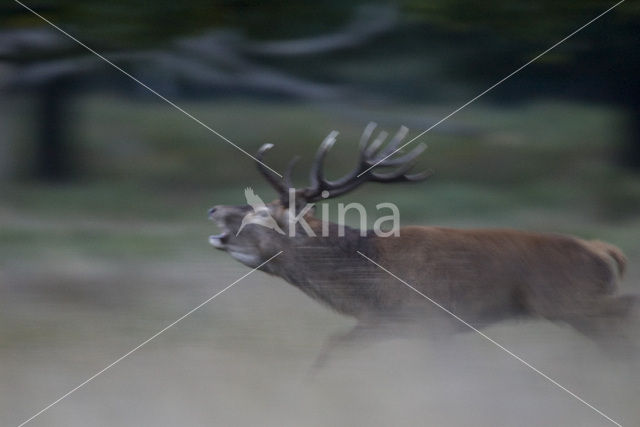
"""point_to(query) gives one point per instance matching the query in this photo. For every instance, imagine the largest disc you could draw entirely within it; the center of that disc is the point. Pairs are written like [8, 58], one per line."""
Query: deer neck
[329, 268]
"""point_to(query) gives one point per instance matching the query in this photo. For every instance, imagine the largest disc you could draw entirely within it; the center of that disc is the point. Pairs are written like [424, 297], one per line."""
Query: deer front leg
[359, 333]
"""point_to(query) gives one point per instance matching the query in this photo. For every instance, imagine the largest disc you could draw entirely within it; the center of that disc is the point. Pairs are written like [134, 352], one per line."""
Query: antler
[371, 157]
[279, 185]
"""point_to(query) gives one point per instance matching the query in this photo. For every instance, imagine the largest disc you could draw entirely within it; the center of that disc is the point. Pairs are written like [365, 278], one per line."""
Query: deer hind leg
[612, 322]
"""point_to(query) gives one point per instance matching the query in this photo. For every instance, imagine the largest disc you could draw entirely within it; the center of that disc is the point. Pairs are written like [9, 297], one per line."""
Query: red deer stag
[481, 275]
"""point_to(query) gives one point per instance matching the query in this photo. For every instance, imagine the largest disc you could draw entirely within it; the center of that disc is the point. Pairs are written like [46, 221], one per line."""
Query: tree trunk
[54, 156]
[631, 150]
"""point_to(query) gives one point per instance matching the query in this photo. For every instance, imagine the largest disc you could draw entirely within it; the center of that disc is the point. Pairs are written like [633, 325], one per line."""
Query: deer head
[254, 232]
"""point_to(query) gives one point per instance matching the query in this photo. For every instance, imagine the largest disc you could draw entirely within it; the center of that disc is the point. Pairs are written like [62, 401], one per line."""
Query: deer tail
[613, 253]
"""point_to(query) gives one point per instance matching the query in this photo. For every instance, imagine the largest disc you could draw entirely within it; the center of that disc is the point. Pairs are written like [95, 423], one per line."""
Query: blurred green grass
[506, 146]
[148, 173]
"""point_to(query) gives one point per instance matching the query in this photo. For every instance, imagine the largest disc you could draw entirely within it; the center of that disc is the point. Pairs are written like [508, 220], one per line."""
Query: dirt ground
[245, 358]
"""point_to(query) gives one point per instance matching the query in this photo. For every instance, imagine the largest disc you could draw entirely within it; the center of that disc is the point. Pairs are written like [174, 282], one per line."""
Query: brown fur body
[481, 275]
[493, 274]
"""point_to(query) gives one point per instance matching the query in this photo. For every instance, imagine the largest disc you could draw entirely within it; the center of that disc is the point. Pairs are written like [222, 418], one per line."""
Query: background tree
[600, 64]
[133, 32]
[456, 43]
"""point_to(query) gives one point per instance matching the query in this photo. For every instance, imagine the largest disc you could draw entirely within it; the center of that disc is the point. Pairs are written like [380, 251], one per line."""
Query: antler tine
[316, 175]
[406, 162]
[420, 176]
[276, 183]
[288, 175]
[408, 157]
[395, 142]
[364, 139]
[375, 145]
[397, 175]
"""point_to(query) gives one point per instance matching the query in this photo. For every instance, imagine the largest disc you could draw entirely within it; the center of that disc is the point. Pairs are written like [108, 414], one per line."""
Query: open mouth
[219, 240]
